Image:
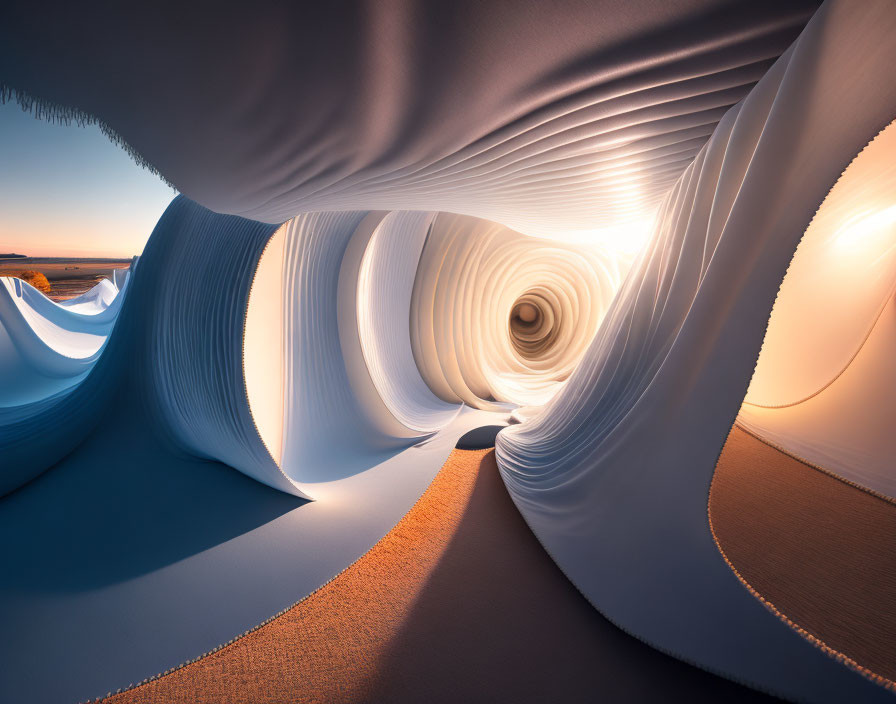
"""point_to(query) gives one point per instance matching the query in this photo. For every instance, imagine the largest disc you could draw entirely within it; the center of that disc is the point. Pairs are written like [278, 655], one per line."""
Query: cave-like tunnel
[484, 351]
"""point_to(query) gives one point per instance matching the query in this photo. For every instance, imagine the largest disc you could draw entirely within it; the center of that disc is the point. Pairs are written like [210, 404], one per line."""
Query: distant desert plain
[69, 277]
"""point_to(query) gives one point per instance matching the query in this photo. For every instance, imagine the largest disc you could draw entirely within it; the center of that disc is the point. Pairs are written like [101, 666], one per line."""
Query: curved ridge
[357, 275]
[638, 428]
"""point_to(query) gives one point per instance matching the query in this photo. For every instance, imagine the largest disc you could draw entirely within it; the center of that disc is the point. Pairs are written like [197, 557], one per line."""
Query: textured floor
[458, 603]
[821, 551]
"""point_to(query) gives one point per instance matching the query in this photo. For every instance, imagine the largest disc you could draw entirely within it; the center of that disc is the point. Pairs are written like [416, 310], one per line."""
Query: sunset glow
[67, 191]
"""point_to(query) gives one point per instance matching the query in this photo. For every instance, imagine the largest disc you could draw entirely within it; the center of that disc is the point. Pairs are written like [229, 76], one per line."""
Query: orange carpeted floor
[458, 603]
[821, 551]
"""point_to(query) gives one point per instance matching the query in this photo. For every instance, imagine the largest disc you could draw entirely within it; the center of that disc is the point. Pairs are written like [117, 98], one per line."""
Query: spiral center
[533, 325]
[527, 313]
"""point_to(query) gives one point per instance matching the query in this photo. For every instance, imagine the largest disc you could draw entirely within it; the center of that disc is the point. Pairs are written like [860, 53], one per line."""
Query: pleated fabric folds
[614, 476]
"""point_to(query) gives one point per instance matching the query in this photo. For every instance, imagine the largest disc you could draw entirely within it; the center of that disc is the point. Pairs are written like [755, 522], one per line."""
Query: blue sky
[69, 191]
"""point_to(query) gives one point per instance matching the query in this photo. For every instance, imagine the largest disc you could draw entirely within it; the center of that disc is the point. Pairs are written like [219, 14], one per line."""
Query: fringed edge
[66, 115]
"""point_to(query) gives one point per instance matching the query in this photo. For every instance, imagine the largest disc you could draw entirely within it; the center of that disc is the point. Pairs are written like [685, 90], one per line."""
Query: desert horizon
[69, 277]
[506, 352]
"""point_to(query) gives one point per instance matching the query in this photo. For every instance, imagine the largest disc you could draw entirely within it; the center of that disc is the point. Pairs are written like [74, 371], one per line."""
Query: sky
[68, 191]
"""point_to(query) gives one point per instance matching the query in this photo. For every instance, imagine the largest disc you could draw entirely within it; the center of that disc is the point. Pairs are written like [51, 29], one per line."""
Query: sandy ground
[68, 277]
[821, 551]
[458, 603]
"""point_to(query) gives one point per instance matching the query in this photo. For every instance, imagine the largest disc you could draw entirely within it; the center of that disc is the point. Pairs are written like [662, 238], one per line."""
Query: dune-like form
[465, 519]
[49, 350]
[590, 222]
[49, 347]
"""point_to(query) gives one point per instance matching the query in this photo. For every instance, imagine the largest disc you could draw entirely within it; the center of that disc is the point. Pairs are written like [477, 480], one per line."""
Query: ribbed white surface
[385, 288]
[547, 118]
[471, 275]
[614, 475]
[544, 139]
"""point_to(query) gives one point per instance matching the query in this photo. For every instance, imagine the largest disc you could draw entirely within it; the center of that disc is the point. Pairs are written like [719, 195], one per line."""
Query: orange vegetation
[35, 278]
